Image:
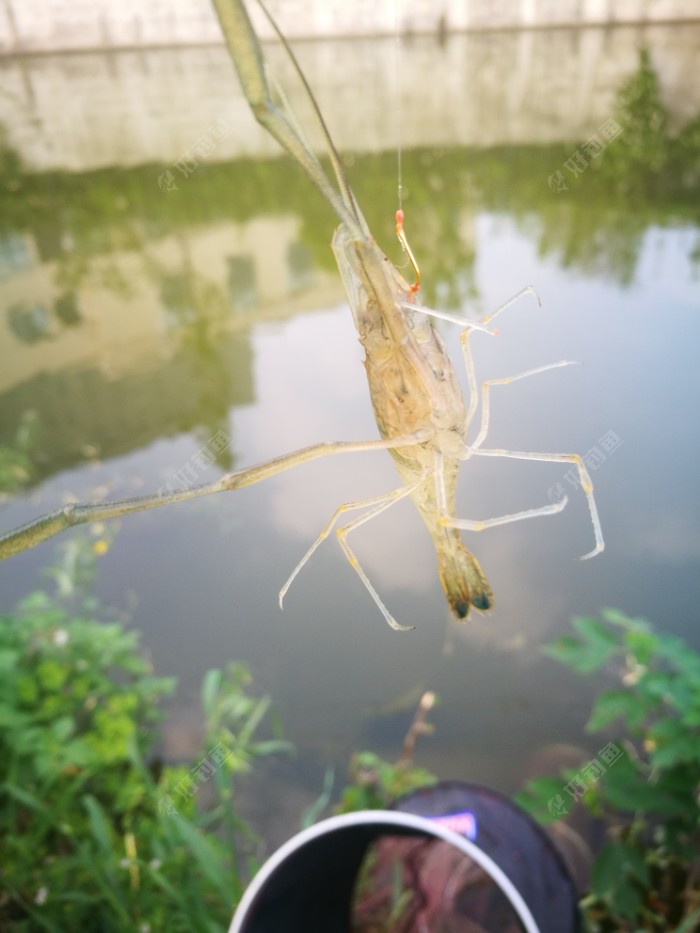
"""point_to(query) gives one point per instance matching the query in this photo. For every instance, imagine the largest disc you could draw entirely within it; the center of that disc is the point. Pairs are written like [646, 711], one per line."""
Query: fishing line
[399, 146]
[397, 92]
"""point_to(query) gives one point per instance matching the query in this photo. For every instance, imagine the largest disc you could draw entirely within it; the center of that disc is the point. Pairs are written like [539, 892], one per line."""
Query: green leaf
[668, 689]
[674, 744]
[627, 787]
[13, 719]
[207, 855]
[681, 656]
[613, 704]
[627, 900]
[618, 876]
[587, 653]
[210, 690]
[621, 619]
[545, 799]
[80, 754]
[316, 808]
[605, 871]
[38, 601]
[99, 825]
[157, 877]
[27, 799]
[9, 659]
[257, 714]
[692, 717]
[63, 727]
[594, 631]
[103, 876]
[643, 645]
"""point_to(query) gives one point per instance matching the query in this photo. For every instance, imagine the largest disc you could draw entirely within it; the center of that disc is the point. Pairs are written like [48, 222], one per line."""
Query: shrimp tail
[463, 580]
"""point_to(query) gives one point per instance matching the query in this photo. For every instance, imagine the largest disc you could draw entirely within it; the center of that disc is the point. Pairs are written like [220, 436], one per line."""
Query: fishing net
[453, 858]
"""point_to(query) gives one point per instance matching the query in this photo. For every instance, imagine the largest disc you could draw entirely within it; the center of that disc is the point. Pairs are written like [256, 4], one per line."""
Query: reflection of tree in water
[210, 368]
[196, 309]
[83, 225]
[67, 311]
[190, 392]
[645, 177]
[32, 322]
[29, 323]
[644, 148]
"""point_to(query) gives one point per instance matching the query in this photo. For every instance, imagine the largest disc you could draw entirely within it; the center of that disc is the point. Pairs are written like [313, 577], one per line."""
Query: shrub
[92, 835]
[647, 874]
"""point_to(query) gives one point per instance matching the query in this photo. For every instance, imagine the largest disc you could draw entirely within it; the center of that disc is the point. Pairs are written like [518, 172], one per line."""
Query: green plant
[647, 875]
[232, 719]
[92, 835]
[375, 783]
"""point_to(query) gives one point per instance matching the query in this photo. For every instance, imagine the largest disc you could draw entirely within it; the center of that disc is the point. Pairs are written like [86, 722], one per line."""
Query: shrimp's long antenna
[247, 55]
[338, 169]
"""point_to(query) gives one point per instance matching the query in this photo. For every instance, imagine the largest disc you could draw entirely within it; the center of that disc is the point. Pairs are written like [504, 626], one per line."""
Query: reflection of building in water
[117, 350]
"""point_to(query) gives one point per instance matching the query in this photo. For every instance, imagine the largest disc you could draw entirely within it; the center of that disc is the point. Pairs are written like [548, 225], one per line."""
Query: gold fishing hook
[407, 249]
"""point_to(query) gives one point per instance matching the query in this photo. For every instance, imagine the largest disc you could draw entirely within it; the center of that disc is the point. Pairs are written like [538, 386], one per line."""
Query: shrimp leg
[39, 530]
[475, 448]
[506, 380]
[467, 524]
[342, 534]
[378, 505]
[584, 478]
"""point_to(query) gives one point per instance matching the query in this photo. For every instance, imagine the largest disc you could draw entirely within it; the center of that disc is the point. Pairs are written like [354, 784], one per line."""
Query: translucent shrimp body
[414, 388]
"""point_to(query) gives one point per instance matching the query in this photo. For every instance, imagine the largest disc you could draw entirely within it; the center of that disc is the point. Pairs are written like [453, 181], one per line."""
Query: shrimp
[422, 416]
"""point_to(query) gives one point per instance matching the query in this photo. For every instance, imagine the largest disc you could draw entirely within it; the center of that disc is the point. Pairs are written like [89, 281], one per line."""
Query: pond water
[165, 327]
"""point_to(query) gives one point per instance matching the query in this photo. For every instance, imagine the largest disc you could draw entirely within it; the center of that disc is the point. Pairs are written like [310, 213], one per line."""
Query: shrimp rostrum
[422, 416]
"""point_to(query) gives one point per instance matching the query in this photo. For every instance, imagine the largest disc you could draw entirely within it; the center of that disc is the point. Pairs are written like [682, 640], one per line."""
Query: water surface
[166, 335]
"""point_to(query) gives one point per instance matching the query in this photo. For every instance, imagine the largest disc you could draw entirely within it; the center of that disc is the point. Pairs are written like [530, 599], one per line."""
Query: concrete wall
[97, 109]
[58, 25]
